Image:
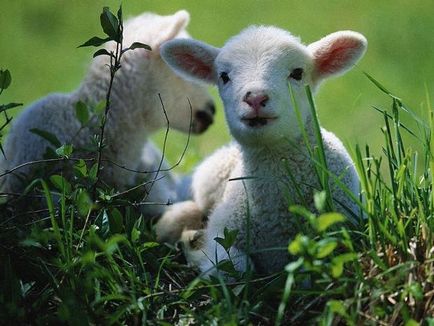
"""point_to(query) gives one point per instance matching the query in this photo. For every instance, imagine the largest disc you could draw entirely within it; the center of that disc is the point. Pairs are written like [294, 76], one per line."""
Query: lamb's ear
[336, 53]
[176, 23]
[191, 59]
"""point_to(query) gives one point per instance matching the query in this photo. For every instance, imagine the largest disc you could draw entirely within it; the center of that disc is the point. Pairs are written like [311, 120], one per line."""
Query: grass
[77, 264]
[72, 262]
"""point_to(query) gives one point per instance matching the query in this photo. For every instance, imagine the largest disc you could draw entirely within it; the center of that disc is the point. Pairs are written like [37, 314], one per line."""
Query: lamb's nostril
[211, 107]
[204, 119]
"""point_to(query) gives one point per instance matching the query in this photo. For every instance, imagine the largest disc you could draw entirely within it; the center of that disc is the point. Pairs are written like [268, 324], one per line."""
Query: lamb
[136, 111]
[245, 185]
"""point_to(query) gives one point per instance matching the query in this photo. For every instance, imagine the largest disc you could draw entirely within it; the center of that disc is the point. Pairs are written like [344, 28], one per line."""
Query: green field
[89, 257]
[39, 42]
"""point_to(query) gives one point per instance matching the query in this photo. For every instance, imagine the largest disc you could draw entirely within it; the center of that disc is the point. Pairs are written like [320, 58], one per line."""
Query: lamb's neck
[129, 118]
[270, 160]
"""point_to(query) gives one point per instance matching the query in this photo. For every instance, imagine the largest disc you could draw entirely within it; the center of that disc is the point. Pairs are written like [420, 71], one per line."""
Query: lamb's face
[145, 75]
[255, 70]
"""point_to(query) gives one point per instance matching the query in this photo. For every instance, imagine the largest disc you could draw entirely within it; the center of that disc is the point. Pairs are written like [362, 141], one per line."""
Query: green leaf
[337, 307]
[47, 136]
[411, 322]
[325, 247]
[326, 220]
[109, 24]
[5, 79]
[60, 183]
[93, 172]
[102, 52]
[135, 235]
[84, 203]
[149, 245]
[293, 266]
[337, 266]
[115, 219]
[229, 238]
[8, 106]
[94, 41]
[298, 245]
[119, 14]
[320, 200]
[64, 150]
[81, 168]
[138, 45]
[82, 112]
[100, 107]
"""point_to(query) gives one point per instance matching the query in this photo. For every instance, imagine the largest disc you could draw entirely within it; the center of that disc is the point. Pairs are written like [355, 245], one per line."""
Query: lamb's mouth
[257, 122]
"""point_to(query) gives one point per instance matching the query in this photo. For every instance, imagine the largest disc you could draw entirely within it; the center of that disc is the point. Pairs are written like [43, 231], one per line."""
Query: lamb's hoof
[178, 218]
[193, 239]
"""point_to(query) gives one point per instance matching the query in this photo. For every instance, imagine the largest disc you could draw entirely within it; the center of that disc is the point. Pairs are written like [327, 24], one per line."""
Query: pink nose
[256, 100]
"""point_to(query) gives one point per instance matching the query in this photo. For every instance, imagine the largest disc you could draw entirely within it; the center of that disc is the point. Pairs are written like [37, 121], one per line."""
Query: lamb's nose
[256, 100]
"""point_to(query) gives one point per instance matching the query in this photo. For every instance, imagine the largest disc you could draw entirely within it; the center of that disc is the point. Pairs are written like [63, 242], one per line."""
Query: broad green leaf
[109, 24]
[81, 168]
[64, 150]
[47, 136]
[94, 41]
[82, 112]
[61, 183]
[115, 221]
[298, 245]
[337, 265]
[100, 107]
[326, 220]
[229, 238]
[5, 79]
[325, 247]
[84, 203]
[411, 322]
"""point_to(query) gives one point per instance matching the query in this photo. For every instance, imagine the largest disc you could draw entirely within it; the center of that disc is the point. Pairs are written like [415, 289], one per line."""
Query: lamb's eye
[225, 77]
[297, 74]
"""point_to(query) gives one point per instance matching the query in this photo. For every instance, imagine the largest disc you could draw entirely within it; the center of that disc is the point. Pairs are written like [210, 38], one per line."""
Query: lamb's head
[144, 75]
[254, 71]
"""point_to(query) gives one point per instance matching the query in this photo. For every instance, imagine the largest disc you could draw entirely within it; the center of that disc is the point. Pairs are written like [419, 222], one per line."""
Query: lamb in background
[135, 113]
[252, 71]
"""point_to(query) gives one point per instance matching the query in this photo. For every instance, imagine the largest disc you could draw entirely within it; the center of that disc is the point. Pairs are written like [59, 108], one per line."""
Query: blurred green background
[39, 39]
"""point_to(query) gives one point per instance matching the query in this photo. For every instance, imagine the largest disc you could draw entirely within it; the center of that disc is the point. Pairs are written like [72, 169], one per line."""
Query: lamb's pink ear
[175, 25]
[336, 53]
[191, 59]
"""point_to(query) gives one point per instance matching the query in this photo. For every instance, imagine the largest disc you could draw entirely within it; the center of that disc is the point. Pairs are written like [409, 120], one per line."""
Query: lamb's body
[255, 68]
[268, 194]
[135, 112]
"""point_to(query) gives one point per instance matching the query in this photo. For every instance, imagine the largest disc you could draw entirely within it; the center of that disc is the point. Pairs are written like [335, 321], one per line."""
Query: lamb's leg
[181, 216]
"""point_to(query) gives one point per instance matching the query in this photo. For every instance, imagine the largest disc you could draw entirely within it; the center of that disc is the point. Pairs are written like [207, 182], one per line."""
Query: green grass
[76, 263]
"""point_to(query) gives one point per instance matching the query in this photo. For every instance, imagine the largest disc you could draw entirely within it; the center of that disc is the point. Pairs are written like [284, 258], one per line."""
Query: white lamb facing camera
[252, 71]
